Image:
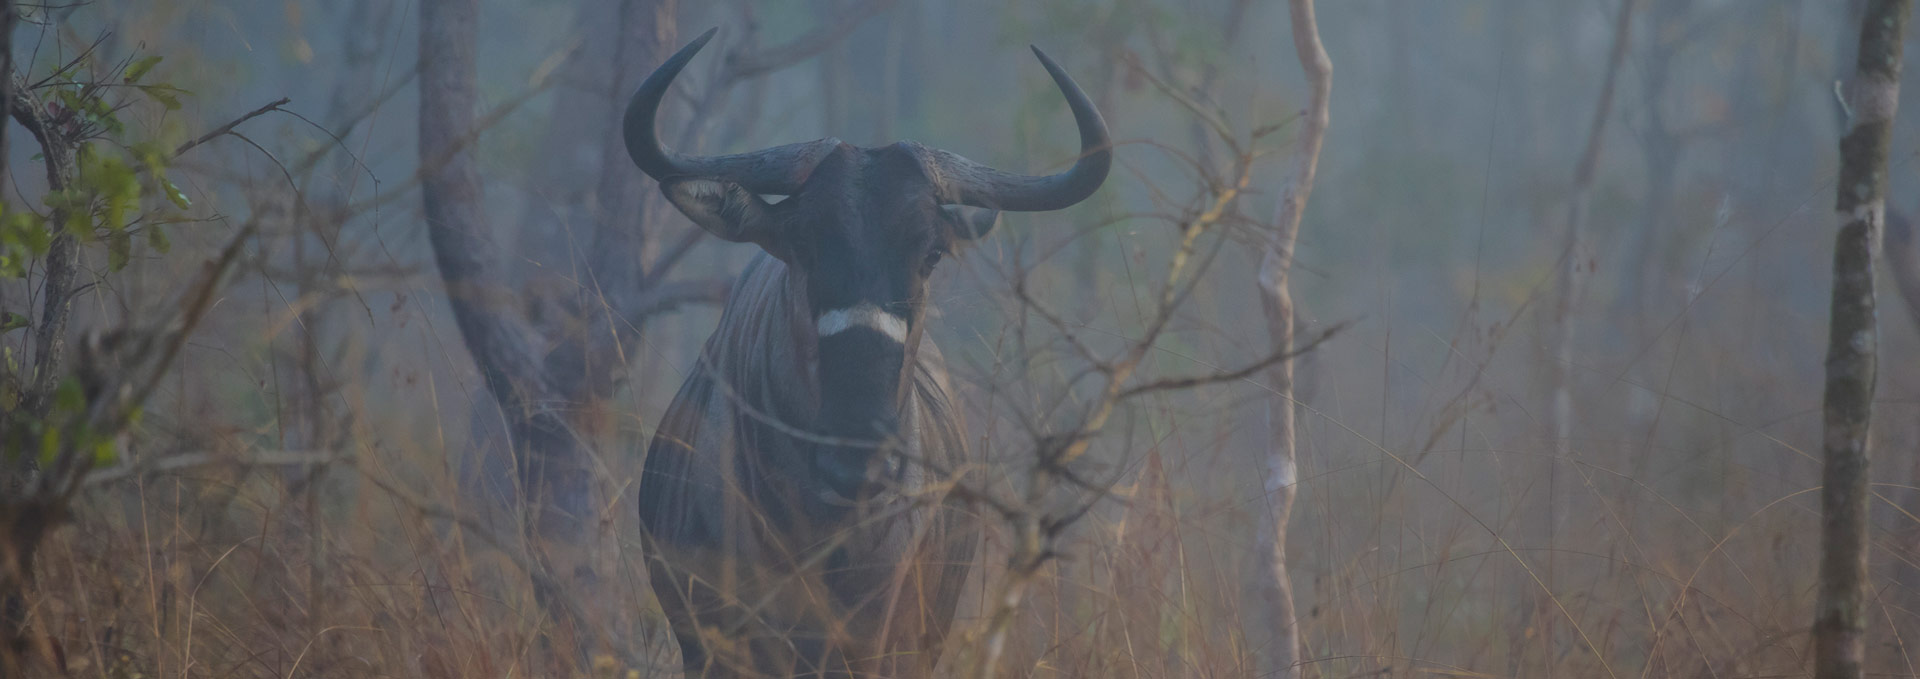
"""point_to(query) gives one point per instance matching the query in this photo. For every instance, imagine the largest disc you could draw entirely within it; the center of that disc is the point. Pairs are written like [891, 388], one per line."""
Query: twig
[223, 129]
[743, 66]
[1178, 383]
[1212, 118]
[434, 163]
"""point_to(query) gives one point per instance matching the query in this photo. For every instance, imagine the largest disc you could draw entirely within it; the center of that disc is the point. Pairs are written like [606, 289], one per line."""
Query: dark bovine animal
[792, 499]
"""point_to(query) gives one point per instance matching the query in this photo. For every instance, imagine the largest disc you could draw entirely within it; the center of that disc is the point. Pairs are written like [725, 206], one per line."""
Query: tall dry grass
[1437, 532]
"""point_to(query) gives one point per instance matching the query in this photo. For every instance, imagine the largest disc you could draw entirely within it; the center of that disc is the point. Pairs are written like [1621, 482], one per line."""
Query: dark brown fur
[752, 581]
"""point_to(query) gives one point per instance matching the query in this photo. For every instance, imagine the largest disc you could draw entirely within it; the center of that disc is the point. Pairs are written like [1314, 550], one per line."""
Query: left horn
[966, 182]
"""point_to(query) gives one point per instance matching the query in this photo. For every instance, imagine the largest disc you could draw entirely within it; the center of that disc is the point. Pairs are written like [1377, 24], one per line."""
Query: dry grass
[1679, 543]
[1436, 533]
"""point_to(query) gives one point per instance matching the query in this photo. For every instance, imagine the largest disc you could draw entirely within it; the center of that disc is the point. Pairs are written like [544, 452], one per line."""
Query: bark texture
[1872, 98]
[550, 457]
[1280, 649]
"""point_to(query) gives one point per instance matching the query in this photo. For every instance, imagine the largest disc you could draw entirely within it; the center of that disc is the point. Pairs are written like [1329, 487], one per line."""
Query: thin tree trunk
[1873, 96]
[13, 472]
[1281, 645]
[7, 20]
[62, 262]
[1573, 276]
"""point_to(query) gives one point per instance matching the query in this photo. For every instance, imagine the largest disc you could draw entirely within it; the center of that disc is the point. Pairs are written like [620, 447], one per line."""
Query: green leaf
[119, 250]
[157, 239]
[104, 453]
[138, 69]
[174, 194]
[11, 321]
[68, 397]
[151, 154]
[25, 229]
[49, 447]
[110, 178]
[167, 95]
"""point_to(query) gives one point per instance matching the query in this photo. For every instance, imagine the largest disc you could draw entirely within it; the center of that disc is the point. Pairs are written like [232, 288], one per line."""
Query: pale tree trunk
[1572, 278]
[1872, 98]
[1279, 649]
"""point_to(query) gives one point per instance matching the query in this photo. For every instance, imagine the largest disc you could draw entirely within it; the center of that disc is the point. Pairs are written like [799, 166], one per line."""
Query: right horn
[965, 182]
[776, 171]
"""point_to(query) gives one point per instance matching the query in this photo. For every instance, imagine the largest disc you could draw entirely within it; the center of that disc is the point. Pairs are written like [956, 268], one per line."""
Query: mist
[364, 383]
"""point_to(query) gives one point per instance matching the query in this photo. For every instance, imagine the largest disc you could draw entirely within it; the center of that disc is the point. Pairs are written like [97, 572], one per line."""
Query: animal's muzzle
[862, 348]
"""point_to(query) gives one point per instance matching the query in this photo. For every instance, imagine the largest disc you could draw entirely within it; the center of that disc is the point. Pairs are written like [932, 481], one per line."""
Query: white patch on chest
[862, 315]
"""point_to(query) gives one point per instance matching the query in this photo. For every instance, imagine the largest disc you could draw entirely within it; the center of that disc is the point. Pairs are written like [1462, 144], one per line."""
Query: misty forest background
[318, 483]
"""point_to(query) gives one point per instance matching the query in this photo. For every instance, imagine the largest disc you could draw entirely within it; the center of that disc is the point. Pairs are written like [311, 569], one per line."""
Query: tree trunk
[13, 472]
[1873, 96]
[550, 458]
[7, 20]
[1280, 647]
[1573, 276]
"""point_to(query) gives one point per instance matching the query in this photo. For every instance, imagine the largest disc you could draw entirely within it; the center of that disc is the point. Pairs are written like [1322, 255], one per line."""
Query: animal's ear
[723, 209]
[970, 222]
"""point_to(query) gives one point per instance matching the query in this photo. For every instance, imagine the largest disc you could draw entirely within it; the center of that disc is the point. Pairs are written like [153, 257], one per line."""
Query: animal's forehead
[895, 170]
[876, 194]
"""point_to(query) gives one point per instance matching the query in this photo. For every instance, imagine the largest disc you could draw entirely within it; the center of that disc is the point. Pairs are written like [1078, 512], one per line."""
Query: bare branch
[223, 129]
[1235, 375]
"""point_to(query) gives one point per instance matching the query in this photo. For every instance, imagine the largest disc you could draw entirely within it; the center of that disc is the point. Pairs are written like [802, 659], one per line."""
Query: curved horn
[969, 183]
[776, 171]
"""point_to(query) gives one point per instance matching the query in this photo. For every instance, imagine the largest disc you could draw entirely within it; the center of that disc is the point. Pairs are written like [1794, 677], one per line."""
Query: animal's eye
[933, 257]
